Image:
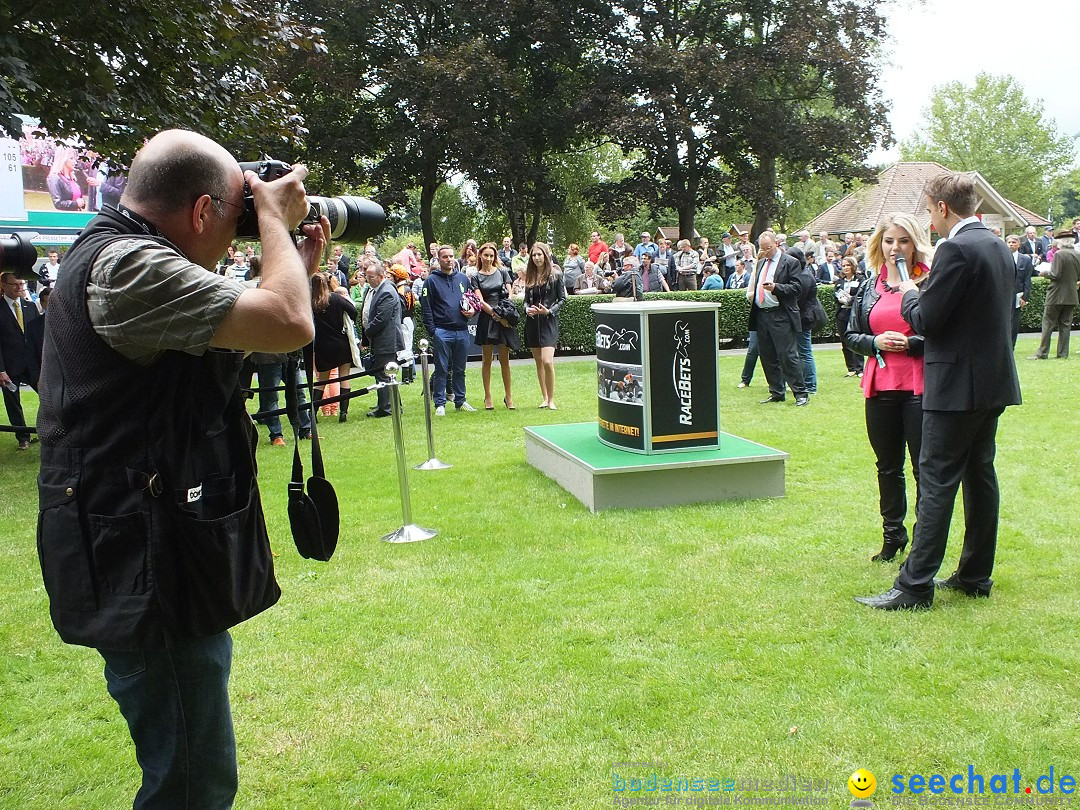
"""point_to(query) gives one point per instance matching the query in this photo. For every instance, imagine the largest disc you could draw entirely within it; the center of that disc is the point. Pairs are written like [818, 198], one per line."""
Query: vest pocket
[63, 548]
[221, 570]
[118, 545]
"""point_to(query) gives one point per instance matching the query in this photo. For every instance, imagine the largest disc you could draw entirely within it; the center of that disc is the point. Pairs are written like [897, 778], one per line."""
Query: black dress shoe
[771, 399]
[895, 599]
[377, 414]
[803, 400]
[953, 584]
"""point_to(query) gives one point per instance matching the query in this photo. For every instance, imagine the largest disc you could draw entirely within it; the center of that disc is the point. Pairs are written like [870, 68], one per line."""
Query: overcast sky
[1036, 42]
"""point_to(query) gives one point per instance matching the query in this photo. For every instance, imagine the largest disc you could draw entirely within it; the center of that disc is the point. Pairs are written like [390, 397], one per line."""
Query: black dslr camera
[352, 219]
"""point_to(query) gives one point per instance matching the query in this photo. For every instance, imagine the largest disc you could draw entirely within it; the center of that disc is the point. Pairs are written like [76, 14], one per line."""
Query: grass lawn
[513, 659]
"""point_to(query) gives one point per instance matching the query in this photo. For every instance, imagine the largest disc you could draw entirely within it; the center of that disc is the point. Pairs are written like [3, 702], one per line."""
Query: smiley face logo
[862, 784]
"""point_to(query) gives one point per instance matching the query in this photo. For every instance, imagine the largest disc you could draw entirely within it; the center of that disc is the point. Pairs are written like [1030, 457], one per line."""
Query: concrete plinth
[603, 477]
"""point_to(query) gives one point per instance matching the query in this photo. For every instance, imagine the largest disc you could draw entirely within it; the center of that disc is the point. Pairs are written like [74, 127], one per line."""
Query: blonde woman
[893, 379]
[545, 293]
[64, 187]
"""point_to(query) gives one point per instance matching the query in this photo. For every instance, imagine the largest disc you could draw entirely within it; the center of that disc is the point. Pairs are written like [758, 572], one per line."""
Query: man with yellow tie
[18, 363]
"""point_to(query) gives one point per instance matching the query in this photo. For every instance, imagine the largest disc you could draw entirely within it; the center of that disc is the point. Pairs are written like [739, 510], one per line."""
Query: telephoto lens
[18, 256]
[352, 219]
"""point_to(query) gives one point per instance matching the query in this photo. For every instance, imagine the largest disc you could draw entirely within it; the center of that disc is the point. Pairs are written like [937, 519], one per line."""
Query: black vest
[150, 528]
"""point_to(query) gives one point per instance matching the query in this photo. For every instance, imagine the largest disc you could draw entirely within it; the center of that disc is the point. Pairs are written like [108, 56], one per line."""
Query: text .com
[972, 782]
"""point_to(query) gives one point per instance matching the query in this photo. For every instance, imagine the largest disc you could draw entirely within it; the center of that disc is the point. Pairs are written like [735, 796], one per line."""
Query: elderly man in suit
[381, 329]
[1061, 296]
[1031, 245]
[963, 314]
[18, 360]
[1022, 288]
[774, 294]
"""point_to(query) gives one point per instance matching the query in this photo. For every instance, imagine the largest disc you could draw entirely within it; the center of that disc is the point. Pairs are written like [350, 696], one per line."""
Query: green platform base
[603, 477]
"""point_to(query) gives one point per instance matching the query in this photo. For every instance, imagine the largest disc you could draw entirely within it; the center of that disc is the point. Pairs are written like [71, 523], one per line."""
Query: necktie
[18, 316]
[763, 273]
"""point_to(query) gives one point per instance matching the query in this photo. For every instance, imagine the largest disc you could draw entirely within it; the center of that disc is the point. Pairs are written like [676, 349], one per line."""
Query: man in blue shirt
[441, 302]
[646, 245]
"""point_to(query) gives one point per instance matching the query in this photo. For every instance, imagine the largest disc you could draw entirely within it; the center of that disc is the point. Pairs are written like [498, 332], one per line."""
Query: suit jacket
[1063, 275]
[382, 332]
[17, 356]
[1039, 250]
[1024, 269]
[789, 289]
[965, 314]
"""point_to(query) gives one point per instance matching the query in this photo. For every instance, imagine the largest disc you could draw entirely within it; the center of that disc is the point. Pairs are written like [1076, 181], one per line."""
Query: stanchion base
[433, 464]
[409, 534]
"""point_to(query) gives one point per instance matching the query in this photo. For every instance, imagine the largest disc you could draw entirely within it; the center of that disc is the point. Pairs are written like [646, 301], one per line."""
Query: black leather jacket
[858, 336]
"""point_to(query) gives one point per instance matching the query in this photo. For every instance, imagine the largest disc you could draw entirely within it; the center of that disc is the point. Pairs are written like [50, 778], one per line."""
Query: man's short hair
[445, 247]
[955, 190]
[160, 182]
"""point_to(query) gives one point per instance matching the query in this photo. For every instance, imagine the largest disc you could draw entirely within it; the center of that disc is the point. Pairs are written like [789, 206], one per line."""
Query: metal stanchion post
[409, 532]
[432, 463]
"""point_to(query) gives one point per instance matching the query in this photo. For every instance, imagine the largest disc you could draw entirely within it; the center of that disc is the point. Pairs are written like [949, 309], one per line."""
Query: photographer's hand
[311, 247]
[281, 201]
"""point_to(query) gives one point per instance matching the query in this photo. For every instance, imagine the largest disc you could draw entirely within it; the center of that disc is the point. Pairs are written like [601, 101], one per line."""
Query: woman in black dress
[493, 283]
[545, 293]
[333, 338]
[846, 287]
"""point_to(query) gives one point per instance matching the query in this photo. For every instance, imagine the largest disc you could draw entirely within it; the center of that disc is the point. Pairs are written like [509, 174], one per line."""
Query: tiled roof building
[900, 188]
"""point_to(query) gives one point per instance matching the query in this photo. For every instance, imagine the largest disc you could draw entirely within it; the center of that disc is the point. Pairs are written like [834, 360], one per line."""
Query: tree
[531, 72]
[109, 74]
[995, 129]
[717, 92]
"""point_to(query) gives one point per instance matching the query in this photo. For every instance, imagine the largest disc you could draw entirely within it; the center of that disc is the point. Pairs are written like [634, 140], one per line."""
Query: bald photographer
[151, 533]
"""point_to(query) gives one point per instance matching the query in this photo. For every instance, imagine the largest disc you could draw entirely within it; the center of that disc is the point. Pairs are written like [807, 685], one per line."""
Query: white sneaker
[741, 385]
[465, 406]
[440, 410]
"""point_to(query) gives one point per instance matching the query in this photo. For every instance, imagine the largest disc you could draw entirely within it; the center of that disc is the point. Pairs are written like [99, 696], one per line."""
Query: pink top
[901, 372]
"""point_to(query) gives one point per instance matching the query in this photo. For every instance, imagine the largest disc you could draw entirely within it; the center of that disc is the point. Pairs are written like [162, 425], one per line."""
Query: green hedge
[577, 326]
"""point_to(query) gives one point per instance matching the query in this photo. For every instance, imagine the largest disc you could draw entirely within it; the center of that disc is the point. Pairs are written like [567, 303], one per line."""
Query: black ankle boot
[343, 407]
[889, 550]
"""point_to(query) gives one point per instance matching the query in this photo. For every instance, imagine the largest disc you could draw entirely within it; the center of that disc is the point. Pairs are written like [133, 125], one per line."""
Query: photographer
[151, 533]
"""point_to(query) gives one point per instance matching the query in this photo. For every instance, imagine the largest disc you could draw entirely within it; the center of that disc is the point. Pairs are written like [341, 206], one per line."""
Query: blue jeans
[750, 363]
[806, 354]
[176, 704]
[451, 355]
[269, 377]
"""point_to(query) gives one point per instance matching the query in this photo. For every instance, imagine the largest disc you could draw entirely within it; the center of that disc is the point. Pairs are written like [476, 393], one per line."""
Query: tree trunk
[427, 198]
[765, 189]
[687, 214]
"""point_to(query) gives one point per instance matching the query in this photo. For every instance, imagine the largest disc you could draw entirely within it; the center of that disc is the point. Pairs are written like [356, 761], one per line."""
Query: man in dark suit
[1022, 287]
[774, 294]
[381, 329]
[18, 361]
[1032, 246]
[963, 313]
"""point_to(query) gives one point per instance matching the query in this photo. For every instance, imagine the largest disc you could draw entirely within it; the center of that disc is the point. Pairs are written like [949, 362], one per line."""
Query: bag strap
[296, 484]
[316, 449]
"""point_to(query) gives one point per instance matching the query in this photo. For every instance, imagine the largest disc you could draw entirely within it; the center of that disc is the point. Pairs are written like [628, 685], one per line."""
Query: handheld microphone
[901, 266]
